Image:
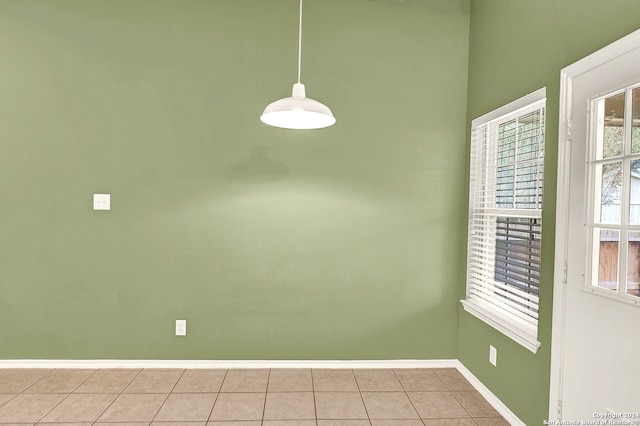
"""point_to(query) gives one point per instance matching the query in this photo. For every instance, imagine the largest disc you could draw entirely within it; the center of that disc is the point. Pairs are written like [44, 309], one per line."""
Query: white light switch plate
[102, 201]
[181, 327]
[493, 355]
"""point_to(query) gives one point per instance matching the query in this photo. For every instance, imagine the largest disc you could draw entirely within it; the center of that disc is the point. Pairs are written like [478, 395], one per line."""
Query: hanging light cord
[300, 43]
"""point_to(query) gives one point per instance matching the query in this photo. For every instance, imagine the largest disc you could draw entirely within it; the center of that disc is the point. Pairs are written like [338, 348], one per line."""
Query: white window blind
[505, 218]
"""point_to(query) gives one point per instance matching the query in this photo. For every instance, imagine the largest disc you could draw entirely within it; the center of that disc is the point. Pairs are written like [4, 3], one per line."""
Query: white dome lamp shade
[298, 111]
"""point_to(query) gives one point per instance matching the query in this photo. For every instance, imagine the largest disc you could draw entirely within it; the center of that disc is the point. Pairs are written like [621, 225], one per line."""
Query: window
[614, 181]
[505, 218]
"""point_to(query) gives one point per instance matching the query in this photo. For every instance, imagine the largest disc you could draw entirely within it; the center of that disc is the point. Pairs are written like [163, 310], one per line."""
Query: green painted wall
[516, 47]
[273, 244]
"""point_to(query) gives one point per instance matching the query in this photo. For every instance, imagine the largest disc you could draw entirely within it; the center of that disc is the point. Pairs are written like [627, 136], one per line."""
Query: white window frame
[498, 315]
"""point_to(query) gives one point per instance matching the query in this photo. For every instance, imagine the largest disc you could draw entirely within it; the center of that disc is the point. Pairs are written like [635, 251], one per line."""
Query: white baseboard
[490, 396]
[152, 363]
[193, 364]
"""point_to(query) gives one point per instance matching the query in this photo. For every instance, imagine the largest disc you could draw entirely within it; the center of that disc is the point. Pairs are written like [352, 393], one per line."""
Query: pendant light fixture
[298, 111]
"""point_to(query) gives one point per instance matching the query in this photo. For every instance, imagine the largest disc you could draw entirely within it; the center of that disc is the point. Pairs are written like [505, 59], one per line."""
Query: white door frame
[567, 75]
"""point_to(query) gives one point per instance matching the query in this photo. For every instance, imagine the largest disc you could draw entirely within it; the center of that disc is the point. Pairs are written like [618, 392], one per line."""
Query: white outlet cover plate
[181, 327]
[493, 355]
[102, 201]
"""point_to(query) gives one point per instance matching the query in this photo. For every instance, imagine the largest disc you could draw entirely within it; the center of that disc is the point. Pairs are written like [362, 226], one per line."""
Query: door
[596, 335]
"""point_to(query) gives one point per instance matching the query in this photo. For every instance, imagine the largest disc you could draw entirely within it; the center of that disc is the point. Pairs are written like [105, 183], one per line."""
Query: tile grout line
[313, 396]
[83, 382]
[118, 396]
[407, 395]
[15, 394]
[462, 405]
[168, 394]
[37, 380]
[360, 393]
[52, 408]
[266, 392]
[76, 388]
[456, 398]
[68, 394]
[313, 389]
[226, 371]
[10, 399]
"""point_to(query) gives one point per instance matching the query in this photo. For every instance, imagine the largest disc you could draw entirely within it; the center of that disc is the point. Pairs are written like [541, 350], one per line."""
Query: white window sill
[520, 335]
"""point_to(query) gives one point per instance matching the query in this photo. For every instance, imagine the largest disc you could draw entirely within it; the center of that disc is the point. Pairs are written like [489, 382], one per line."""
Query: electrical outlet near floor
[102, 201]
[181, 327]
[493, 355]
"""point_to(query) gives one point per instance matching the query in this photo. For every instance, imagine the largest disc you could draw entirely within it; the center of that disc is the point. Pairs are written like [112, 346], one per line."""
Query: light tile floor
[236, 397]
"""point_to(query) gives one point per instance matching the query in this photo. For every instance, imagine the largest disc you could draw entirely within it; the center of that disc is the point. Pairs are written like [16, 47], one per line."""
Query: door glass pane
[609, 183]
[633, 264]
[634, 193]
[635, 132]
[610, 132]
[605, 258]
